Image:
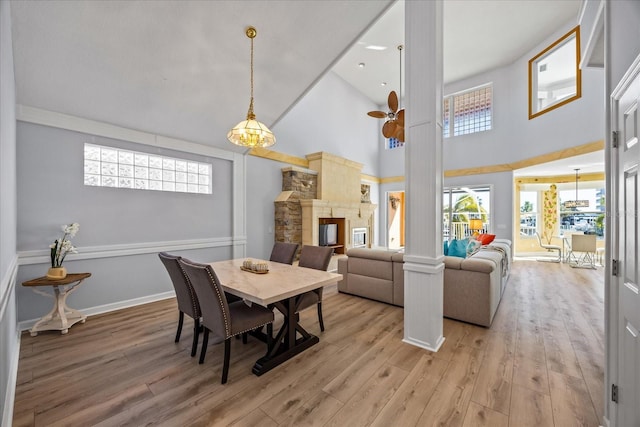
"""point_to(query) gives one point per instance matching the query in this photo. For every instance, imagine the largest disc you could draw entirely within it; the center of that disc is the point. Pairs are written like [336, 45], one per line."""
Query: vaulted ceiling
[181, 68]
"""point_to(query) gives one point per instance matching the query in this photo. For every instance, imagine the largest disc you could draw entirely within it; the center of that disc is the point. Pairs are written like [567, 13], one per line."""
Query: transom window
[113, 167]
[469, 111]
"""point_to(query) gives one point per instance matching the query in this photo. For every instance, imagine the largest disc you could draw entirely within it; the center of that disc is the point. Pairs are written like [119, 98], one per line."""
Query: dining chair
[585, 246]
[283, 252]
[549, 248]
[316, 257]
[224, 320]
[186, 296]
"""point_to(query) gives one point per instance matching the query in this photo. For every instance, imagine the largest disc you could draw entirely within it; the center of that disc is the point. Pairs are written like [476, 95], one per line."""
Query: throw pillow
[458, 248]
[445, 248]
[486, 238]
[473, 247]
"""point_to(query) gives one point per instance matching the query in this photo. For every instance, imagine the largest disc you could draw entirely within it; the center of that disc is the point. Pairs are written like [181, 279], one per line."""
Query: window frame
[140, 168]
[449, 124]
[533, 73]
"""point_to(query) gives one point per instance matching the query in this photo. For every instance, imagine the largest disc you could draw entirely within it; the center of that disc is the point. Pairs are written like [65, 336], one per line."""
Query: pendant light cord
[251, 33]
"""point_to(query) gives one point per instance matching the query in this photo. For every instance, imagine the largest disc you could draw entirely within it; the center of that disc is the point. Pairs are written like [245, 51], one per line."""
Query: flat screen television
[328, 235]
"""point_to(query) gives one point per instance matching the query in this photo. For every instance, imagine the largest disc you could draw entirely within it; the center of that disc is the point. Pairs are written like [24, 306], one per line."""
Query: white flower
[60, 248]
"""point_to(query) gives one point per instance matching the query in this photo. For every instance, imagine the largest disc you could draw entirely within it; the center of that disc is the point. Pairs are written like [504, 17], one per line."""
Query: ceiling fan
[394, 126]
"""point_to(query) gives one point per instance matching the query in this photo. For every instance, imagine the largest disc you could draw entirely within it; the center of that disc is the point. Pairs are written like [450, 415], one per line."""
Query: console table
[61, 317]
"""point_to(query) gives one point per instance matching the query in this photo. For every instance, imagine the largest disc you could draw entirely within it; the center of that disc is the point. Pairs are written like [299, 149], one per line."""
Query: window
[461, 205]
[394, 143]
[113, 167]
[469, 111]
[528, 213]
[554, 75]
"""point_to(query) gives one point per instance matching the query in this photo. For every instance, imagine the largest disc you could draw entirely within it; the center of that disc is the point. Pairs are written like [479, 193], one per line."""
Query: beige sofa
[472, 286]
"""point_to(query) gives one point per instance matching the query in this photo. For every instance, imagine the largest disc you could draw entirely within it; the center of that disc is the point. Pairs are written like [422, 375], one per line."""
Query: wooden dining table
[280, 288]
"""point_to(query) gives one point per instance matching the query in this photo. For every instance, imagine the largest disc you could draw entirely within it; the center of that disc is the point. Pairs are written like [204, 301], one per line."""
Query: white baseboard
[10, 395]
[92, 311]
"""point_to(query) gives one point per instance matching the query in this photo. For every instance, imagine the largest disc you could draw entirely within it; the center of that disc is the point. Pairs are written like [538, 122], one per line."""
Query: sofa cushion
[371, 267]
[371, 287]
[377, 254]
[453, 262]
[458, 248]
[477, 264]
[397, 257]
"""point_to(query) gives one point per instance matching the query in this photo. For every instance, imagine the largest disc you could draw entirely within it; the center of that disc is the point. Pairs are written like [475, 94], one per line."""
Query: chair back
[583, 242]
[186, 296]
[283, 252]
[316, 257]
[215, 310]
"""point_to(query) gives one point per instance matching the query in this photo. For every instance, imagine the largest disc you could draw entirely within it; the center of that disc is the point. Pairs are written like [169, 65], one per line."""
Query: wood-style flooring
[540, 364]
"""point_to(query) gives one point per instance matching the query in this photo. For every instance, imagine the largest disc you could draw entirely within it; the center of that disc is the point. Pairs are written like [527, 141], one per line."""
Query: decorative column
[423, 260]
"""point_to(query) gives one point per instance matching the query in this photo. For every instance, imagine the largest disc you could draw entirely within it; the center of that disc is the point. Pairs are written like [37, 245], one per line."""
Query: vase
[57, 273]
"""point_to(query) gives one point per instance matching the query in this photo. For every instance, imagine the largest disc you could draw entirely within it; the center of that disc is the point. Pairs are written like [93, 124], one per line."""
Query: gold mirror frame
[534, 69]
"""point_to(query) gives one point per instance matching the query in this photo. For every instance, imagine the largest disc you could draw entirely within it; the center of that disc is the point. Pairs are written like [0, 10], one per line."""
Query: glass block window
[394, 143]
[445, 117]
[113, 167]
[471, 111]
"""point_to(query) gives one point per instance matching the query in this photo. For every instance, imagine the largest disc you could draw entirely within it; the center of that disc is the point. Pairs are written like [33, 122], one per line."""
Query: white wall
[513, 136]
[331, 117]
[9, 339]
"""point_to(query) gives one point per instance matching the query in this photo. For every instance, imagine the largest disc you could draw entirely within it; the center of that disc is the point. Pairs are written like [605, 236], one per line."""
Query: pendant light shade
[250, 132]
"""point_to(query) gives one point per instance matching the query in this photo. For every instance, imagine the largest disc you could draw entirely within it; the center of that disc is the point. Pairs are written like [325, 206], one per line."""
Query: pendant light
[250, 132]
[572, 204]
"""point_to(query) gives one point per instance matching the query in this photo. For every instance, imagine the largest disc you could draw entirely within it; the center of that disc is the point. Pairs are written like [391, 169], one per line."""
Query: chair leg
[227, 354]
[205, 341]
[180, 321]
[196, 334]
[320, 320]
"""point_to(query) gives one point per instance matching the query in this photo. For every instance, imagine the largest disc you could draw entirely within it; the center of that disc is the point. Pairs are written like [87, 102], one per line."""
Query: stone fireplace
[329, 191]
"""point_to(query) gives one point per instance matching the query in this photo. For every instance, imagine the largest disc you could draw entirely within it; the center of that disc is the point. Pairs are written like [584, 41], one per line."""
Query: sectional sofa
[472, 286]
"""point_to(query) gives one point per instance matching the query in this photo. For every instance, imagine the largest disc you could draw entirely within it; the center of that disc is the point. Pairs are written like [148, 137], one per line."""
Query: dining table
[281, 288]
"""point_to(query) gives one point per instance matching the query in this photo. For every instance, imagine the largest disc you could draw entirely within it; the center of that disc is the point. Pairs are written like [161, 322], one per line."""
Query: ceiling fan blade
[377, 114]
[400, 118]
[399, 134]
[393, 101]
[388, 129]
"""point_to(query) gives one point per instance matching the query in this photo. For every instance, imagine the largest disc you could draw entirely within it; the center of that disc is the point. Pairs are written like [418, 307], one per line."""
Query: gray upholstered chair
[283, 252]
[224, 320]
[317, 257]
[187, 300]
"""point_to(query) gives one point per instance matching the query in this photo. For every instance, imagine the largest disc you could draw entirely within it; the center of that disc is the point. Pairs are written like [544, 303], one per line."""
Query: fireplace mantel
[356, 215]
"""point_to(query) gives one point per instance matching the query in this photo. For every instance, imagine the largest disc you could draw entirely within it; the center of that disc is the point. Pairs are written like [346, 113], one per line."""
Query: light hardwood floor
[540, 364]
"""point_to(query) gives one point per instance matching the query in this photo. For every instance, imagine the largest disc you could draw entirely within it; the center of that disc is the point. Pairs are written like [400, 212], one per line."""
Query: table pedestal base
[285, 344]
[61, 317]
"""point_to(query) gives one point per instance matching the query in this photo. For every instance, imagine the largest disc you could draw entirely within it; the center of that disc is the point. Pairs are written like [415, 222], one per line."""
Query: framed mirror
[554, 75]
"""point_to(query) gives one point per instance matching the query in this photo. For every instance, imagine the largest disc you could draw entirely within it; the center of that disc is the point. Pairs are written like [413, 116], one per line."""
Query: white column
[423, 260]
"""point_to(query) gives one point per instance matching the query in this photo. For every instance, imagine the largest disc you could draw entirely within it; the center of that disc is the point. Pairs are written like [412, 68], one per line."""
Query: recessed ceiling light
[361, 65]
[374, 47]
[383, 84]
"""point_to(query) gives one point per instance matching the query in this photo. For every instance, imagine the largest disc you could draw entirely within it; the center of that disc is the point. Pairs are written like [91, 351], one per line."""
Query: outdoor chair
[551, 248]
